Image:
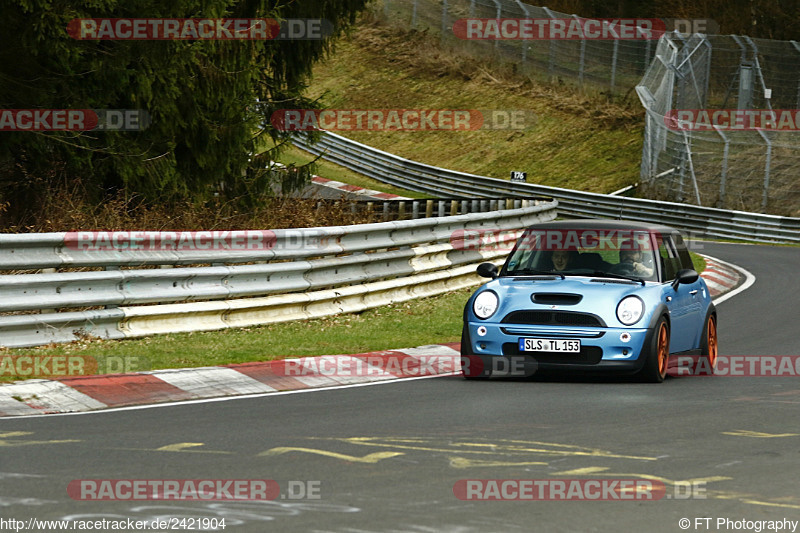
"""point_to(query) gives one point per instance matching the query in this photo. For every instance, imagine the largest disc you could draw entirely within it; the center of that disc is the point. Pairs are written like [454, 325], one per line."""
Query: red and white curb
[89, 393]
[720, 277]
[354, 189]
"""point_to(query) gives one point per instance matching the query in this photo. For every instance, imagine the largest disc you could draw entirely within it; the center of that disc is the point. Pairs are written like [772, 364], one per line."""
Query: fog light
[483, 346]
[625, 336]
[481, 331]
[624, 352]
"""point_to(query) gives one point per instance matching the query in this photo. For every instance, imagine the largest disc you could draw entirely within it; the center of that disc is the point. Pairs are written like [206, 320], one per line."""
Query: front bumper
[602, 349]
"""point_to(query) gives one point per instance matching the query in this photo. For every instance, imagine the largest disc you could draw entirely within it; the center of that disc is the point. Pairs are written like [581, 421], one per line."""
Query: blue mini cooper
[596, 295]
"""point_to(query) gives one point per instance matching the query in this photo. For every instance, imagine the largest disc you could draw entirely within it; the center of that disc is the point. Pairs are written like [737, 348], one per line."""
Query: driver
[632, 255]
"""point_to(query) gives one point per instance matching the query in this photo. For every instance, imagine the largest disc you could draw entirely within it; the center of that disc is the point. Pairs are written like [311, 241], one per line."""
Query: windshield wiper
[535, 273]
[601, 274]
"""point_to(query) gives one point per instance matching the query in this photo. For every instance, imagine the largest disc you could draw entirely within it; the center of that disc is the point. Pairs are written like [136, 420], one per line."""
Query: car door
[697, 291]
[681, 301]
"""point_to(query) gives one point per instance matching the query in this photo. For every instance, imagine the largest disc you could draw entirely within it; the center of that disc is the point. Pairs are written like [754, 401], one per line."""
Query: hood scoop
[556, 298]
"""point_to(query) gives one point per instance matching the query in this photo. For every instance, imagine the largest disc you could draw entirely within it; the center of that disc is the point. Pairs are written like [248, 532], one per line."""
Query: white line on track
[227, 398]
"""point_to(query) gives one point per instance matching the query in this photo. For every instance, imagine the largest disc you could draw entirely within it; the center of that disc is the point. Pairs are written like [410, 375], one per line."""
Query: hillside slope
[577, 141]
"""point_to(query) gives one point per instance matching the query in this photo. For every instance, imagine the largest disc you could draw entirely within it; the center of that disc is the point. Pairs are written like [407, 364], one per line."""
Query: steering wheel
[625, 269]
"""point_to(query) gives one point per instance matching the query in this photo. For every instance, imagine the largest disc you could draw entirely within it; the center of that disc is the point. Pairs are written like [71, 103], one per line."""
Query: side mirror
[487, 270]
[685, 275]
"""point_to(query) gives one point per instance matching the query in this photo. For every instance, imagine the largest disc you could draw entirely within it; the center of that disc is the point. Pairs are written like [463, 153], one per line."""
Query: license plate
[550, 345]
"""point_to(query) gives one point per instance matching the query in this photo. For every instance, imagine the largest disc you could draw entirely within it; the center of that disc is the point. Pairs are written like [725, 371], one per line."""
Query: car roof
[600, 224]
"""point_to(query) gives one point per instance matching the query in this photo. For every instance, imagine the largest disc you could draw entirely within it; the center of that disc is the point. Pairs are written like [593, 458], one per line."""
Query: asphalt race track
[386, 457]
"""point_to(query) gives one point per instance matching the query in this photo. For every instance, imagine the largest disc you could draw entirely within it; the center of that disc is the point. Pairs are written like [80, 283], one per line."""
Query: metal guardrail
[303, 273]
[408, 174]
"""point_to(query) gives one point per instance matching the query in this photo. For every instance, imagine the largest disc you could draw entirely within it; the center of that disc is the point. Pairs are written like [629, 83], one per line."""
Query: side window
[670, 262]
[683, 252]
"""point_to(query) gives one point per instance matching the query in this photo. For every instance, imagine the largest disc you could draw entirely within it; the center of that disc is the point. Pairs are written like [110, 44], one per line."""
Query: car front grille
[553, 318]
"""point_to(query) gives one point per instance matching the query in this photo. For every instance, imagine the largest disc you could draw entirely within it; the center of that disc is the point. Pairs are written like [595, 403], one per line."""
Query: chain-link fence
[613, 65]
[728, 166]
[748, 169]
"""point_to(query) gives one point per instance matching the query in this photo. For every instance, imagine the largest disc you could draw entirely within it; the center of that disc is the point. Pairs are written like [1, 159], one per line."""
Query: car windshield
[612, 253]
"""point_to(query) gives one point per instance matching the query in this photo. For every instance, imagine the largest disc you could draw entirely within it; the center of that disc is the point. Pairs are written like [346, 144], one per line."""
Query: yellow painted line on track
[370, 458]
[757, 434]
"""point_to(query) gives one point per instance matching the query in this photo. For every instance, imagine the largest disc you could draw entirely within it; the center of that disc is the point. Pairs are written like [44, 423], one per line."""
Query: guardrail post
[453, 208]
[401, 210]
[441, 208]
[415, 210]
[414, 15]
[429, 209]
[385, 211]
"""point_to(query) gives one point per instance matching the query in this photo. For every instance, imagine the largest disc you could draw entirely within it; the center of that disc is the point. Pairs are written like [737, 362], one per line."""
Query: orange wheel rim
[663, 350]
[712, 341]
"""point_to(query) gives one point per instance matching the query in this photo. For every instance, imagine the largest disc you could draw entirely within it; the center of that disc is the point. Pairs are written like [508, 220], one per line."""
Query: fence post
[524, 8]
[499, 15]
[444, 20]
[724, 176]
[614, 56]
[765, 193]
[414, 15]
[583, 56]
[797, 47]
[691, 167]
[551, 59]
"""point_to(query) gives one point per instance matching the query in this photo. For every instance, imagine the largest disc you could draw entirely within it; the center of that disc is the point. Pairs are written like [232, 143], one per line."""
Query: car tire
[470, 361]
[709, 345]
[655, 366]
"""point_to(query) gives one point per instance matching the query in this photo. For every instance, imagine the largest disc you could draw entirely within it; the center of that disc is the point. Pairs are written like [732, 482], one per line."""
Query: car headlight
[630, 310]
[485, 304]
